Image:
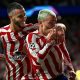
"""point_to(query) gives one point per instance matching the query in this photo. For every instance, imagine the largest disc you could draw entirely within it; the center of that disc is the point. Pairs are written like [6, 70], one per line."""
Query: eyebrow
[21, 15]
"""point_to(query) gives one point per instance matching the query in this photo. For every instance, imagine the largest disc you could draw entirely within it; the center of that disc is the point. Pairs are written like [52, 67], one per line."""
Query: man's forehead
[52, 18]
[17, 11]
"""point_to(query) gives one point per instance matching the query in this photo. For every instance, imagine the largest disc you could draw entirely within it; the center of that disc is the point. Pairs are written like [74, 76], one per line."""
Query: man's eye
[20, 16]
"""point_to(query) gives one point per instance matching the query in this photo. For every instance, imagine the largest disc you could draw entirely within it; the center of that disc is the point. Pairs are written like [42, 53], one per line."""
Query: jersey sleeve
[35, 52]
[67, 59]
[29, 28]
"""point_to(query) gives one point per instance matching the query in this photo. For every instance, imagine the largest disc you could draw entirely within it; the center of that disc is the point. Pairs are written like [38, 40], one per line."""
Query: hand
[56, 34]
[51, 34]
[72, 75]
[36, 25]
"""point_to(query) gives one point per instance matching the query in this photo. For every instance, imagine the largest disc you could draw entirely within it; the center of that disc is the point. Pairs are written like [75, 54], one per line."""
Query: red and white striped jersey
[17, 64]
[47, 60]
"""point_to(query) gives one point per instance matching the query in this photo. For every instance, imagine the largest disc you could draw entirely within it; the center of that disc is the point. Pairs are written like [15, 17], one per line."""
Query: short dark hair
[13, 6]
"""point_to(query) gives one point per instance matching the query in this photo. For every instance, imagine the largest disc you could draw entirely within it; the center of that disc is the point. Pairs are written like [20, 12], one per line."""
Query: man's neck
[13, 27]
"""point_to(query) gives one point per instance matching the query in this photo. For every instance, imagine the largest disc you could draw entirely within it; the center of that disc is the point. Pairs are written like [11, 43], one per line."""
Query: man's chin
[22, 25]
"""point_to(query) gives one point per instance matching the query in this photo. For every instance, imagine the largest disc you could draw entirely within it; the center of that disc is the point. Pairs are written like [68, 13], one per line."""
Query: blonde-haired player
[47, 57]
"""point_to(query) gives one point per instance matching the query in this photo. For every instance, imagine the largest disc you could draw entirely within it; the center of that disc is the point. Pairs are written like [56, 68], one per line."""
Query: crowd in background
[72, 23]
[31, 3]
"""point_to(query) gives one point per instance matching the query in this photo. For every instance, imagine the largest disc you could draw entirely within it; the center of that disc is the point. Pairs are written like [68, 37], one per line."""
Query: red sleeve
[66, 55]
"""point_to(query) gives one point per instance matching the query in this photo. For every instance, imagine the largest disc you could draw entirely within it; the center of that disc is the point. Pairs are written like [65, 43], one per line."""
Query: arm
[67, 60]
[30, 27]
[34, 50]
[68, 63]
[61, 36]
[66, 55]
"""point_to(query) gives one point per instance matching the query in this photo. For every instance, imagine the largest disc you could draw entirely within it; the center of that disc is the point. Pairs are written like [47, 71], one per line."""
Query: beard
[19, 24]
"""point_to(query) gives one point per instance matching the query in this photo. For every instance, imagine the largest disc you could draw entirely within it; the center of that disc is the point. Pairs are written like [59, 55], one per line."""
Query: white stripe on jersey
[24, 66]
[46, 71]
[52, 65]
[57, 56]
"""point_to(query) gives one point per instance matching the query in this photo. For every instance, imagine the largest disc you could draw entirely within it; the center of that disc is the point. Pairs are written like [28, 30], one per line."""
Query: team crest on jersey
[33, 46]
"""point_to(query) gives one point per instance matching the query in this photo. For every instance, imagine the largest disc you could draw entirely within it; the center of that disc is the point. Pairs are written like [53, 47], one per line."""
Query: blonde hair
[44, 13]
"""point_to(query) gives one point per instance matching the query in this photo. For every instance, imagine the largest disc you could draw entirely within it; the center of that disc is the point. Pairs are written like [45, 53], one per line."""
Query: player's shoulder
[32, 36]
[4, 28]
[29, 25]
[33, 33]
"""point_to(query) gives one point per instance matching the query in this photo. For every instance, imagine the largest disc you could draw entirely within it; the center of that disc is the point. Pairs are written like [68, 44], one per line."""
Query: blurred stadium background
[68, 12]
